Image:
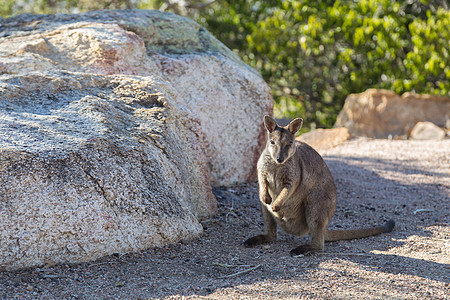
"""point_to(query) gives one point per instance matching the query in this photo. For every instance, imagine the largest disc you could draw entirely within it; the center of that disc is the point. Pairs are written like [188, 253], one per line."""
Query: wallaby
[297, 192]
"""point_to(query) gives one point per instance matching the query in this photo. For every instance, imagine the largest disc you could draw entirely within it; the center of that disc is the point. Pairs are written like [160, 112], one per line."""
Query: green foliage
[6, 8]
[428, 64]
[12, 7]
[313, 53]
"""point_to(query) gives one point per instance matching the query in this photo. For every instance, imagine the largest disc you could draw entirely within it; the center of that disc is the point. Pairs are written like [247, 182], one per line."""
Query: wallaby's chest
[276, 178]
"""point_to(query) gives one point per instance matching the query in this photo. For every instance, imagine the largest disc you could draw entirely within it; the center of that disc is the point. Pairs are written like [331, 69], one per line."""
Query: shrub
[314, 53]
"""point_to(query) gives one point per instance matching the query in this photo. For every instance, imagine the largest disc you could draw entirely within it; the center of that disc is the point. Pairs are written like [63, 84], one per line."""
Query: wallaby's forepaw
[256, 240]
[276, 207]
[303, 250]
[267, 199]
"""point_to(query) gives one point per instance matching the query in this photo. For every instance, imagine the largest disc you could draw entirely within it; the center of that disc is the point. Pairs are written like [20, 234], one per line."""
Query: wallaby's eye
[272, 142]
[291, 142]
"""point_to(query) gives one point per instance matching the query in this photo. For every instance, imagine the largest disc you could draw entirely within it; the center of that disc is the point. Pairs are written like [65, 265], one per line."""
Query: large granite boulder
[208, 80]
[93, 165]
[383, 113]
[113, 125]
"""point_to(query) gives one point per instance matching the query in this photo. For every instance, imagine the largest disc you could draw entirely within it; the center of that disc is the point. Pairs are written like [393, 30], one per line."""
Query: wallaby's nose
[279, 159]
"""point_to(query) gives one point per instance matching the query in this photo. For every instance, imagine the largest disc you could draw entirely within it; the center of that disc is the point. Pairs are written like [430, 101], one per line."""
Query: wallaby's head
[281, 139]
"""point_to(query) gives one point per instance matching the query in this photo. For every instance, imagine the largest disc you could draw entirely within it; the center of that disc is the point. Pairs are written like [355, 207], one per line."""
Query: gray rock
[93, 165]
[113, 125]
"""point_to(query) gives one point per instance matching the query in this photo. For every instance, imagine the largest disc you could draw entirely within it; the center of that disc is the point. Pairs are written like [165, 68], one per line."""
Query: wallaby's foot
[389, 226]
[303, 250]
[257, 240]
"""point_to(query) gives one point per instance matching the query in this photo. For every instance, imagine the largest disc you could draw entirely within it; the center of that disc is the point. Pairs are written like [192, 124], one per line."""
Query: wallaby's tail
[337, 235]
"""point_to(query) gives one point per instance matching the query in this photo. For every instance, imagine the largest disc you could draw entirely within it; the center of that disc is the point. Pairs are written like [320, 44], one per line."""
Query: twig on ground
[225, 265]
[345, 253]
[240, 273]
[422, 210]
[440, 224]
[363, 250]
[232, 213]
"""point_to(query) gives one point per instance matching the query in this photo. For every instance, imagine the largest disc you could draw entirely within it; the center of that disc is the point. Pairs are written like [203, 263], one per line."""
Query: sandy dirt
[377, 180]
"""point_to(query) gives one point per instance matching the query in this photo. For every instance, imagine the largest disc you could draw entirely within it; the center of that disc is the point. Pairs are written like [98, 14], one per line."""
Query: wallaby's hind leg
[317, 242]
[270, 230]
[317, 223]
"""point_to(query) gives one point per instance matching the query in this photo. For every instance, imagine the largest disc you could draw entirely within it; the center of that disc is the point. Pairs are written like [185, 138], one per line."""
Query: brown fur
[297, 192]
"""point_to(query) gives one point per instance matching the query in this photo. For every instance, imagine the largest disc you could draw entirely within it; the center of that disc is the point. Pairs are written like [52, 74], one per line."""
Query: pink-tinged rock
[323, 139]
[382, 113]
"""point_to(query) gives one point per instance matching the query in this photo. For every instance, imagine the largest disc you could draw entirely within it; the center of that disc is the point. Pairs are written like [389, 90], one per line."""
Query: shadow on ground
[217, 265]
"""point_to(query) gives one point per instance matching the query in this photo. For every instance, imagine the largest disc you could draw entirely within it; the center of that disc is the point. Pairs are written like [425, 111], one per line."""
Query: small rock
[120, 283]
[427, 131]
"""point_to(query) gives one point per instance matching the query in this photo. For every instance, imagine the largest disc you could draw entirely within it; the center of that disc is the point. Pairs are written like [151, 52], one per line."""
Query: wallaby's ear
[295, 125]
[270, 123]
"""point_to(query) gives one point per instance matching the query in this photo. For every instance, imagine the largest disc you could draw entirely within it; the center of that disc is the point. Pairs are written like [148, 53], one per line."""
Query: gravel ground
[408, 181]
